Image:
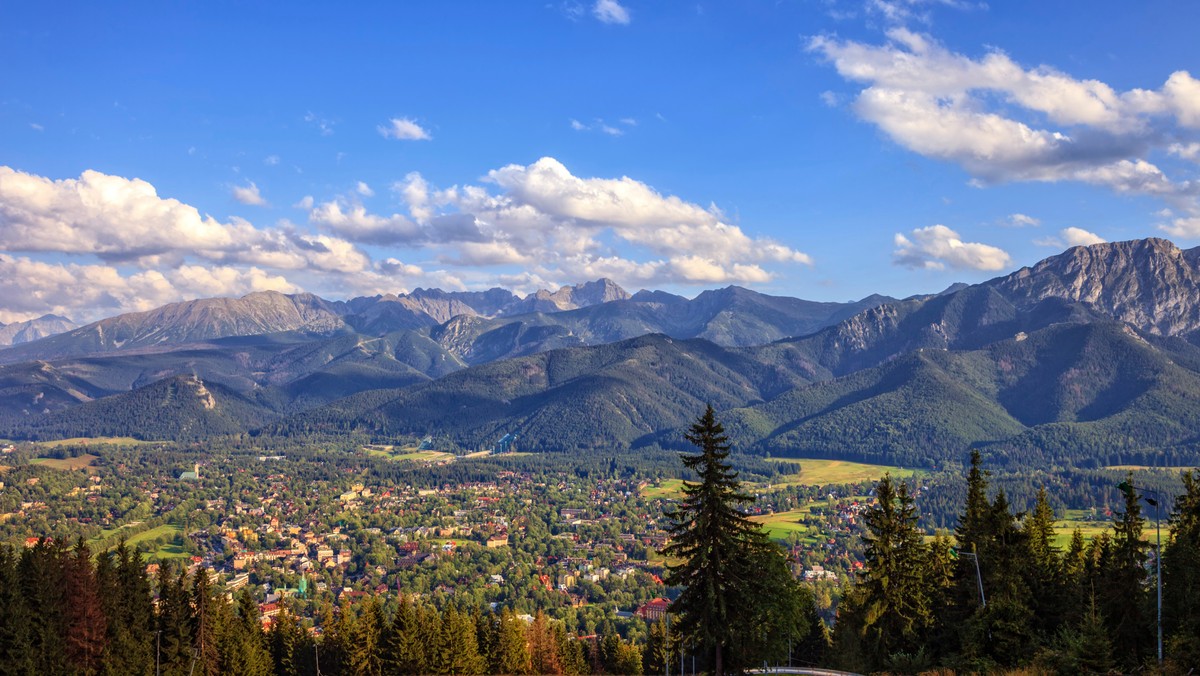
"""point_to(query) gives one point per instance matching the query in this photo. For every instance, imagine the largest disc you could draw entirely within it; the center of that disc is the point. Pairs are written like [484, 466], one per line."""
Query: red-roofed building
[653, 610]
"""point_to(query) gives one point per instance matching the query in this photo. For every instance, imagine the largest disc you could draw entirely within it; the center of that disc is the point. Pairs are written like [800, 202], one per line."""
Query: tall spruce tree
[206, 627]
[1124, 588]
[1045, 568]
[894, 598]
[16, 651]
[1181, 576]
[87, 627]
[736, 594]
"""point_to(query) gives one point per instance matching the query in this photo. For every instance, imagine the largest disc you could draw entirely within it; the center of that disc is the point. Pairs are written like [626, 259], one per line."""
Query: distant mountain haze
[1086, 358]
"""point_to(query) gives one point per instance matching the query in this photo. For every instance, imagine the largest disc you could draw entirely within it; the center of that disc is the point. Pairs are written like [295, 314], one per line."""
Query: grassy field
[814, 472]
[167, 551]
[669, 489]
[406, 453]
[1089, 524]
[85, 441]
[423, 456]
[79, 462]
[1148, 468]
[780, 525]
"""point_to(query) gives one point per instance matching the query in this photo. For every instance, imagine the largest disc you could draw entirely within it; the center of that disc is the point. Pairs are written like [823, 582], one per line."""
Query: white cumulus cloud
[1080, 237]
[542, 212]
[1023, 221]
[610, 11]
[1071, 237]
[404, 129]
[1002, 121]
[936, 246]
[249, 194]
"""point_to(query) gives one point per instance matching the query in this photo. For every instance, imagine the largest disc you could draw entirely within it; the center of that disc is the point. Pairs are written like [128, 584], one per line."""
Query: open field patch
[781, 525]
[406, 453]
[669, 489]
[88, 441]
[79, 462]
[1149, 468]
[169, 550]
[821, 472]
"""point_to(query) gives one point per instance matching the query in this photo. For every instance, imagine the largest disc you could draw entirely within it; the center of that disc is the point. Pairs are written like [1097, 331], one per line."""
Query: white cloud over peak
[1184, 226]
[1080, 237]
[249, 194]
[124, 247]
[543, 213]
[106, 215]
[353, 222]
[1071, 237]
[610, 11]
[33, 288]
[404, 129]
[989, 115]
[937, 246]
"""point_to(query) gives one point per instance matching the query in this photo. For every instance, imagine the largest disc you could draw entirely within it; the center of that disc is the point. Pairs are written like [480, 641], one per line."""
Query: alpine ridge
[1086, 357]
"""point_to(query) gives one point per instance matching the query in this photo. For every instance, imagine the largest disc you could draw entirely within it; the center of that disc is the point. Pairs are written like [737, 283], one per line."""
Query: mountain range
[1088, 357]
[33, 329]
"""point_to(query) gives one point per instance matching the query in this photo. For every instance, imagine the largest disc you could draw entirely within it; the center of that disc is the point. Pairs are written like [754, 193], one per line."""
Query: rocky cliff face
[191, 321]
[569, 298]
[1149, 284]
[33, 329]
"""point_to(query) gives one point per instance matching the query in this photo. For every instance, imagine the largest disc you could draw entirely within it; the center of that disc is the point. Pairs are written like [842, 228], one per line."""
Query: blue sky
[825, 149]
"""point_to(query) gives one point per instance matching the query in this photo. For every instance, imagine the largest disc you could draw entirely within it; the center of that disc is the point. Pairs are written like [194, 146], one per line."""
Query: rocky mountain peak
[570, 297]
[33, 329]
[1150, 284]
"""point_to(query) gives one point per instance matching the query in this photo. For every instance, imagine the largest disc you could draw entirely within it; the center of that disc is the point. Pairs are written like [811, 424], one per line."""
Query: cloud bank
[1003, 122]
[100, 244]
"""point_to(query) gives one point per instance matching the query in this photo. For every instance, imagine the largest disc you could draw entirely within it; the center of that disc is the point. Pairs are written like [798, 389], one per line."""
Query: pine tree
[87, 627]
[458, 636]
[1044, 568]
[656, 657]
[574, 659]
[403, 653]
[130, 613]
[40, 571]
[205, 626]
[285, 642]
[1181, 575]
[243, 645]
[544, 657]
[16, 650]
[939, 588]
[1004, 630]
[1124, 593]
[485, 634]
[337, 628]
[723, 554]
[894, 597]
[173, 647]
[511, 655]
[366, 654]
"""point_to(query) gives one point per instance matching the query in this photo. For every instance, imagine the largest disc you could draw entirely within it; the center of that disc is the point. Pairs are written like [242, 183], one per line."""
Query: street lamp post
[978, 575]
[1154, 502]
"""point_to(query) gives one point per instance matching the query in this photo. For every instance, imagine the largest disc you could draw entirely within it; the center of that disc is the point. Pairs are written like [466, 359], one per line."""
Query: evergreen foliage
[738, 600]
[1088, 609]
